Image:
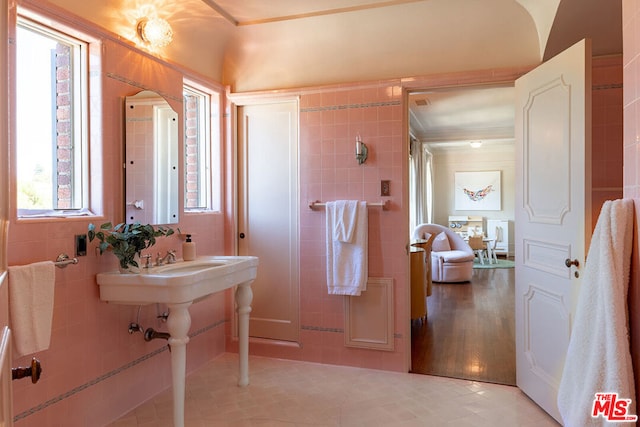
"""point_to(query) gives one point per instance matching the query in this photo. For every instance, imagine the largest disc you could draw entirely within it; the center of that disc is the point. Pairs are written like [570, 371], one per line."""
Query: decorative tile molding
[349, 106]
[321, 329]
[108, 375]
[609, 86]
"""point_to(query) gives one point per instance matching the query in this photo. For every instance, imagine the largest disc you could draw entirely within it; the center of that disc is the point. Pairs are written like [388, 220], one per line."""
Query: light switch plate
[385, 188]
[81, 244]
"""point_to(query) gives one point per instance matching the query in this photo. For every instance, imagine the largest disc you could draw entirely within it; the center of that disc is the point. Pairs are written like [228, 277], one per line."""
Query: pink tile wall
[631, 70]
[631, 99]
[330, 120]
[94, 370]
[607, 129]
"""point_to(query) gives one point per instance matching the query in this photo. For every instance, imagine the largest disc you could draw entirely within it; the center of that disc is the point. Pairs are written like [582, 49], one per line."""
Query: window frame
[80, 53]
[210, 201]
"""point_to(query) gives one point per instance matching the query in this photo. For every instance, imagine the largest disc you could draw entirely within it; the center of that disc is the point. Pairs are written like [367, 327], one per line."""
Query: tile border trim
[349, 106]
[109, 374]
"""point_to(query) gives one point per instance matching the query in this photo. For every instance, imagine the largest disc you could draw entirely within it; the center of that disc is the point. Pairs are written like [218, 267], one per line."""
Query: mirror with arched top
[151, 160]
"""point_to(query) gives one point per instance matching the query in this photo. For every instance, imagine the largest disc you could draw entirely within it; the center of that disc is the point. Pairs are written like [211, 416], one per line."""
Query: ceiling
[254, 12]
[452, 118]
[257, 45]
[264, 45]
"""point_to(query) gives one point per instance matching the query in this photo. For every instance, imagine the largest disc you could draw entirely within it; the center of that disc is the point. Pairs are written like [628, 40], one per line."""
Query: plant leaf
[103, 247]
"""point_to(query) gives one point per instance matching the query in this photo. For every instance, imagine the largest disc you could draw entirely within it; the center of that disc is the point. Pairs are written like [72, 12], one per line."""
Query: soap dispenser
[188, 249]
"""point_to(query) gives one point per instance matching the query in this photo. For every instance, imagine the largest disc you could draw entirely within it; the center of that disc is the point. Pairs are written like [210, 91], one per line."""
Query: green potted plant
[126, 241]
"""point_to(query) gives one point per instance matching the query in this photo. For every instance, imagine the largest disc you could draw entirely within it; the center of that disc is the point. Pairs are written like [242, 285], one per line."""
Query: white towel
[31, 290]
[598, 358]
[347, 258]
[344, 219]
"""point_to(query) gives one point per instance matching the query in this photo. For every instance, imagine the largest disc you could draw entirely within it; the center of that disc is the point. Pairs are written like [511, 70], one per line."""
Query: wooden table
[489, 244]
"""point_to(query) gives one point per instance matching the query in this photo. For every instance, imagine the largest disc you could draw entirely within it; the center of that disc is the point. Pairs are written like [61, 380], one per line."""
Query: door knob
[242, 235]
[568, 262]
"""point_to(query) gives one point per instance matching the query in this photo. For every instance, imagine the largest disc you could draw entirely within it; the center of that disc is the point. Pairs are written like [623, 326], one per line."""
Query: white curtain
[427, 158]
[420, 184]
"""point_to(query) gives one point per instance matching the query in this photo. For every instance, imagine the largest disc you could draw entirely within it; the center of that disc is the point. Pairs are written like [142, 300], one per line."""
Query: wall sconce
[361, 151]
[475, 144]
[155, 32]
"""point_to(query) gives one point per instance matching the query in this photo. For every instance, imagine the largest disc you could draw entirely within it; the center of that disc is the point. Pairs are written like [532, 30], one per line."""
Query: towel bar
[385, 205]
[63, 260]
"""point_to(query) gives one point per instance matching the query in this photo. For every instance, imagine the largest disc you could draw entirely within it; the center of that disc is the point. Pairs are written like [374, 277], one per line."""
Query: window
[201, 149]
[51, 112]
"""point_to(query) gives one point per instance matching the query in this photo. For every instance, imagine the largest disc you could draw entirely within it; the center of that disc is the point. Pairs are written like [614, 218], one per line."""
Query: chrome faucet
[147, 261]
[169, 258]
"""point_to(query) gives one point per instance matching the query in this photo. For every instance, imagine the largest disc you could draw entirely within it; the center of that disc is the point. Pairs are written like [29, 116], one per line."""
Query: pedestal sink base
[178, 324]
[244, 295]
[179, 286]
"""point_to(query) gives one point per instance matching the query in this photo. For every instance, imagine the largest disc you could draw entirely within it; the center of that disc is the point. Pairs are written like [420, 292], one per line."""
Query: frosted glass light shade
[156, 32]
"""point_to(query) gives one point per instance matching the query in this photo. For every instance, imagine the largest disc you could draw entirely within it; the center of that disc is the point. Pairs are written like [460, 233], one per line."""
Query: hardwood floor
[470, 330]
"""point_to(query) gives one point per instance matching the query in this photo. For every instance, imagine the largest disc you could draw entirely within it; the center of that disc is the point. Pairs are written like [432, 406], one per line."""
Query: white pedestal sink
[179, 285]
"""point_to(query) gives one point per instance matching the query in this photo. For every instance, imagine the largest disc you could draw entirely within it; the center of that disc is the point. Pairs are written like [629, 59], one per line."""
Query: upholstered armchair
[451, 257]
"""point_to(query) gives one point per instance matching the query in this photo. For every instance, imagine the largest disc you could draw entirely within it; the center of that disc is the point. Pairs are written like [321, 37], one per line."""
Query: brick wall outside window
[191, 152]
[63, 128]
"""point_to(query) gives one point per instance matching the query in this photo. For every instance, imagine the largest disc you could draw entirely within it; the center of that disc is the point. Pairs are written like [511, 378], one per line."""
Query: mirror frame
[151, 160]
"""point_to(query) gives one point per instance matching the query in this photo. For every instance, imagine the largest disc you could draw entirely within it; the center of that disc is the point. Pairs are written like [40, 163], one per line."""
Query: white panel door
[553, 122]
[268, 214]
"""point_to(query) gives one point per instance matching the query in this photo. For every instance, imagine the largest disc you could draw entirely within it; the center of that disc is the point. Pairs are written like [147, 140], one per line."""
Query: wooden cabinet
[466, 224]
[418, 284]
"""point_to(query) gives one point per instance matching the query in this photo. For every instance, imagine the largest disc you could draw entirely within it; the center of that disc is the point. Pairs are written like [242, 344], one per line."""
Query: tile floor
[291, 393]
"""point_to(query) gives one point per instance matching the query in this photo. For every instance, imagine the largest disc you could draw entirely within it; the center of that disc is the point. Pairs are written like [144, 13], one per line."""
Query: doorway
[469, 329]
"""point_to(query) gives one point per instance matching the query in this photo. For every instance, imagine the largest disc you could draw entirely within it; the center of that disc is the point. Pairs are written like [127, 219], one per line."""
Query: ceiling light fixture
[155, 32]
[475, 144]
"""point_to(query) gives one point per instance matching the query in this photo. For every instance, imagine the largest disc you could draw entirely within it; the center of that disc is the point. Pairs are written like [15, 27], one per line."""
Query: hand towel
[598, 357]
[344, 219]
[347, 259]
[31, 290]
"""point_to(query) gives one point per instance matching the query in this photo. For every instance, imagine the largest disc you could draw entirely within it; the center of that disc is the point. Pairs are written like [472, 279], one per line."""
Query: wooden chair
[479, 247]
[493, 258]
[453, 264]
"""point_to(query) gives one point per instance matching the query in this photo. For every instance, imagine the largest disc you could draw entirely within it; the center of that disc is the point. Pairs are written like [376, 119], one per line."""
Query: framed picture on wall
[477, 191]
